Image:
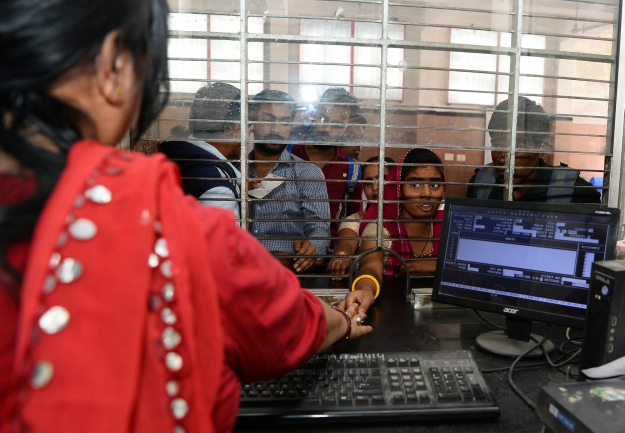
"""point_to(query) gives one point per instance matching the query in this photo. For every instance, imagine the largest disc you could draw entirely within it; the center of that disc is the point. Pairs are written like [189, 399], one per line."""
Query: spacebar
[280, 402]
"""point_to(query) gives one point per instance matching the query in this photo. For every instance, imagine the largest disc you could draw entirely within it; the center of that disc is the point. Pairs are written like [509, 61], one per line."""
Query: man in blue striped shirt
[289, 209]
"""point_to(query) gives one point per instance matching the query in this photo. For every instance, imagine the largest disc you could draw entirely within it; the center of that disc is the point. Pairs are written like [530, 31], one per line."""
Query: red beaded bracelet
[349, 325]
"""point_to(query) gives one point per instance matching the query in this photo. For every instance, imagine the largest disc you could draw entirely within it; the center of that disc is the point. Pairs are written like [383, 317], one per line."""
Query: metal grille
[429, 74]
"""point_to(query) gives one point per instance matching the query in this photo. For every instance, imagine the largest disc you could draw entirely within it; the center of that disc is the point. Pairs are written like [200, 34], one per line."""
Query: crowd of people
[309, 197]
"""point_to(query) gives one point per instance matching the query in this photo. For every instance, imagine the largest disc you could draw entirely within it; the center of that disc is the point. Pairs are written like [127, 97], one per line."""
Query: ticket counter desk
[398, 327]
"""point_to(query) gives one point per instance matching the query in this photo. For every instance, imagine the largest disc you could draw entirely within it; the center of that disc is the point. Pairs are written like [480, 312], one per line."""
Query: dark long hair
[421, 156]
[41, 40]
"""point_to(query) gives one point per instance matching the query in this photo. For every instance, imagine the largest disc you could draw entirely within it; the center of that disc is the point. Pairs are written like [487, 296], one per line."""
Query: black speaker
[604, 330]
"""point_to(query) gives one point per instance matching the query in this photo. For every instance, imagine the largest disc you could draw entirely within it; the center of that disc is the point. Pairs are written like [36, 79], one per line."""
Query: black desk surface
[398, 327]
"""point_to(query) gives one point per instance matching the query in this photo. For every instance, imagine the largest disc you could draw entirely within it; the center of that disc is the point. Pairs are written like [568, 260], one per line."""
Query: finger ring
[358, 320]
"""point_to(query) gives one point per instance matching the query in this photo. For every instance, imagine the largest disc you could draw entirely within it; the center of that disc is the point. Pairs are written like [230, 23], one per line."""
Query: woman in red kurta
[124, 306]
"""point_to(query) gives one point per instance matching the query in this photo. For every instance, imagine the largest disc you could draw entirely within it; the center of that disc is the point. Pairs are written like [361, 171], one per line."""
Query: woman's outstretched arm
[365, 289]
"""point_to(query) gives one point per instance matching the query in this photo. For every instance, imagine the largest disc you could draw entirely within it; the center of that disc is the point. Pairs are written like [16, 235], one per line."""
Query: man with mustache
[292, 217]
[336, 107]
[534, 179]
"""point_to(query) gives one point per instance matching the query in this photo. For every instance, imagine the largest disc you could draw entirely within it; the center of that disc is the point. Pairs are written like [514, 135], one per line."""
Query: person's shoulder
[589, 194]
[296, 149]
[306, 170]
[342, 157]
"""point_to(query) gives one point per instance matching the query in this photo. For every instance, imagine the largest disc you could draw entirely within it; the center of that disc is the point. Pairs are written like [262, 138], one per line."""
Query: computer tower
[604, 329]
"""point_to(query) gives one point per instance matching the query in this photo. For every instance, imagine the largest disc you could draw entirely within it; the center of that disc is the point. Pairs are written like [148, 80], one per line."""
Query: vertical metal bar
[614, 143]
[383, 79]
[513, 89]
[266, 54]
[243, 64]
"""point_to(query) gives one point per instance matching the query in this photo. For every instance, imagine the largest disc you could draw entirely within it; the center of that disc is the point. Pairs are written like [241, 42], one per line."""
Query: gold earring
[118, 90]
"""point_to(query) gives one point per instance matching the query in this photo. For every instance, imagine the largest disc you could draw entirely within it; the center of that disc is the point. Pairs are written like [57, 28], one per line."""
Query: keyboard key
[391, 362]
[403, 362]
[362, 400]
[448, 397]
[398, 399]
[374, 363]
[411, 398]
[374, 381]
[345, 401]
[478, 393]
[368, 391]
[329, 402]
[377, 400]
[424, 399]
[414, 362]
[309, 402]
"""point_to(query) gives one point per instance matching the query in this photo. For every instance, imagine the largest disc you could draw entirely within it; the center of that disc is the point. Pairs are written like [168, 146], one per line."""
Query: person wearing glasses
[534, 179]
[336, 107]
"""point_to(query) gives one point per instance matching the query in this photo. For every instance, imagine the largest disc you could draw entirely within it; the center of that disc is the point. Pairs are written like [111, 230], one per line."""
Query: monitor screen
[530, 260]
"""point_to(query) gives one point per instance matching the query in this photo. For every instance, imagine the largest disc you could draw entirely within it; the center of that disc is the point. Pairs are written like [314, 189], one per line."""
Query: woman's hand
[339, 266]
[337, 324]
[357, 318]
[418, 267]
[362, 299]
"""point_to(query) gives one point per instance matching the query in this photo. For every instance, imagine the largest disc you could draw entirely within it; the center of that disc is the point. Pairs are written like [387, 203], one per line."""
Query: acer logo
[602, 212]
[510, 310]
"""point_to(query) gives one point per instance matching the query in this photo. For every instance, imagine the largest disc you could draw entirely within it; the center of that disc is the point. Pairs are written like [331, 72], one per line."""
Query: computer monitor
[528, 261]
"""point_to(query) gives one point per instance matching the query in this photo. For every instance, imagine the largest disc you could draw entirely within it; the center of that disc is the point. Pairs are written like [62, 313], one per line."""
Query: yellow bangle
[370, 277]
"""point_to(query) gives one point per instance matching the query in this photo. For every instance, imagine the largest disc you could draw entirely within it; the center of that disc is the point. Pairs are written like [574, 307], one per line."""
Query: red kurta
[235, 312]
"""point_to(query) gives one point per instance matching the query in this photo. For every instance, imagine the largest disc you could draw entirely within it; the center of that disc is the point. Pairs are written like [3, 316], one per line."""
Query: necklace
[423, 253]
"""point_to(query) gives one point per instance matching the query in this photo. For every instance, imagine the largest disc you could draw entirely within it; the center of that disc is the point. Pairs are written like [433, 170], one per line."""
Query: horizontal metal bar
[449, 8]
[566, 55]
[449, 26]
[580, 36]
[558, 77]
[567, 18]
[322, 18]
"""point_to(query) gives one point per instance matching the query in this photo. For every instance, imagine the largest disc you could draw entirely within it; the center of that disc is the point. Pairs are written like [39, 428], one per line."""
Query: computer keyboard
[372, 387]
